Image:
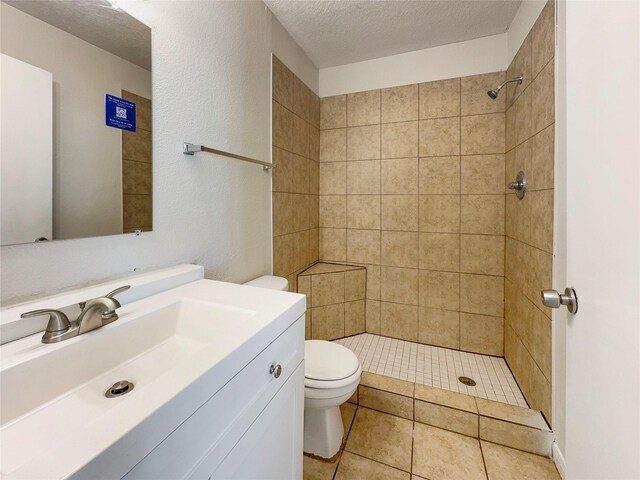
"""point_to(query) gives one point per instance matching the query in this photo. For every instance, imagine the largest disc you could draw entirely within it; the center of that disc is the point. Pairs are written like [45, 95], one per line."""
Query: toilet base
[323, 431]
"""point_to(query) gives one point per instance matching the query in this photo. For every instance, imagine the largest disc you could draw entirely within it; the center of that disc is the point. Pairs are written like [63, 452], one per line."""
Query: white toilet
[331, 376]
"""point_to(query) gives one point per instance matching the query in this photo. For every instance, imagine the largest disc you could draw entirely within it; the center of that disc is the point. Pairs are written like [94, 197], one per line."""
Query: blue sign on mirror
[120, 113]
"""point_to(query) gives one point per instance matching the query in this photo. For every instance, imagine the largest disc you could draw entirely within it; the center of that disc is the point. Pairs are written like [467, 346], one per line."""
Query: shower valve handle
[520, 185]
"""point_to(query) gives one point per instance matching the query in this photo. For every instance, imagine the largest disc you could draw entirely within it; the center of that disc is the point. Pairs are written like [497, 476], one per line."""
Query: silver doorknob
[553, 299]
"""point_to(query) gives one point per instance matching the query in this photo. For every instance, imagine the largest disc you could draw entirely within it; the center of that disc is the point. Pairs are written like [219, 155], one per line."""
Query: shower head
[493, 94]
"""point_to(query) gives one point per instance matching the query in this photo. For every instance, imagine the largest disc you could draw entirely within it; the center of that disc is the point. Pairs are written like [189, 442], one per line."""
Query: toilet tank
[270, 281]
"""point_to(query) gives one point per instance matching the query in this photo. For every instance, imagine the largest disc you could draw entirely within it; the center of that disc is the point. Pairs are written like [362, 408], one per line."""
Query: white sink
[55, 417]
[140, 351]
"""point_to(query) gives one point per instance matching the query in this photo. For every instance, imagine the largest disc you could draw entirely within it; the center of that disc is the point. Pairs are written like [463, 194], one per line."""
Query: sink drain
[119, 388]
[469, 382]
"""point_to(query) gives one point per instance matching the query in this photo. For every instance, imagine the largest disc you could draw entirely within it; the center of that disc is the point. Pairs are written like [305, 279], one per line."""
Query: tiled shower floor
[436, 366]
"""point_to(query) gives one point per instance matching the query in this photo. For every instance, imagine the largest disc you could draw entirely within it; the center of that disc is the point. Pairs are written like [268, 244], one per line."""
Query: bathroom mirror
[75, 101]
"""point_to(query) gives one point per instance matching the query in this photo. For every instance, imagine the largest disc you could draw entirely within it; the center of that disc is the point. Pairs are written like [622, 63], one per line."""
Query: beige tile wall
[411, 186]
[137, 198]
[295, 183]
[335, 300]
[529, 222]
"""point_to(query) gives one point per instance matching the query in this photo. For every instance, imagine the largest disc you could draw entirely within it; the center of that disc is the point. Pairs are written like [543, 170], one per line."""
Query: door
[599, 105]
[26, 152]
[272, 447]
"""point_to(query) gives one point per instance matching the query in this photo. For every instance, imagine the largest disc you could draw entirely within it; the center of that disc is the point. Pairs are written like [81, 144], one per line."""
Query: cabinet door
[209, 435]
[272, 447]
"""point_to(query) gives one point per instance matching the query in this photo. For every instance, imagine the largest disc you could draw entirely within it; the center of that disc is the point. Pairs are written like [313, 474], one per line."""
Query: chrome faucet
[95, 313]
[100, 311]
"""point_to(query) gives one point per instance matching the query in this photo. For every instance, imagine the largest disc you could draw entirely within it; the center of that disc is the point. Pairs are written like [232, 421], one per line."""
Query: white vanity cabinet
[250, 429]
[218, 375]
[272, 447]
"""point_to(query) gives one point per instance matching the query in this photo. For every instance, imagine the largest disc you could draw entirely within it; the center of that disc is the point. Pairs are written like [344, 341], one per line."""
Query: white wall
[211, 85]
[482, 55]
[86, 154]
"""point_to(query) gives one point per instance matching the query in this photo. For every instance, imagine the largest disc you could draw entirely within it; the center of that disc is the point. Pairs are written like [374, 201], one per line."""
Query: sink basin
[177, 344]
[139, 352]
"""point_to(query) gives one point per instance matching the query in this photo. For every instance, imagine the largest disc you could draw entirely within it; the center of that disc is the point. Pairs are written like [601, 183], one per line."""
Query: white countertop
[59, 438]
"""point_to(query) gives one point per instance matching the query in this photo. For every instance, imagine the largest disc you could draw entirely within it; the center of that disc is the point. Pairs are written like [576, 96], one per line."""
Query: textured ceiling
[96, 22]
[337, 32]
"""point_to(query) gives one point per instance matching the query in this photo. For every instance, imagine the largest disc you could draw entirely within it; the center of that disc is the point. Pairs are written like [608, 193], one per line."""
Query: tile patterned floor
[436, 366]
[380, 446]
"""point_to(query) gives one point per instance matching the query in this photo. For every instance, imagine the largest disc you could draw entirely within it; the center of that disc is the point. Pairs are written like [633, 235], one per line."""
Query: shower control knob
[520, 185]
[553, 299]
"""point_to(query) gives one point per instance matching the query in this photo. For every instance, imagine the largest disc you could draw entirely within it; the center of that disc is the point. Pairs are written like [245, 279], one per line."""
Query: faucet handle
[113, 316]
[58, 321]
[108, 295]
[117, 291]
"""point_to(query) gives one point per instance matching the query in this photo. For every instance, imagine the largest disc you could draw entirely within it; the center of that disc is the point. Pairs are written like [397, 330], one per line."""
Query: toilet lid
[269, 281]
[328, 361]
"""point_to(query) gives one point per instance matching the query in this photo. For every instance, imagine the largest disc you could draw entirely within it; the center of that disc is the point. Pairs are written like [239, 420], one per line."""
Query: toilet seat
[329, 365]
[331, 387]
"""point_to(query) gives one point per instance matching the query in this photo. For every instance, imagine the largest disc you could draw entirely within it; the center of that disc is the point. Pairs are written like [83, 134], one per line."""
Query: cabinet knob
[275, 370]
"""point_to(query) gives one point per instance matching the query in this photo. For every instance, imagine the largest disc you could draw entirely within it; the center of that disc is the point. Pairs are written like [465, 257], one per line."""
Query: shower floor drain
[469, 382]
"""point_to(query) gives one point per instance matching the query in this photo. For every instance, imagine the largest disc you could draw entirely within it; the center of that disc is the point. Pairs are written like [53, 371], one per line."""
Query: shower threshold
[436, 367]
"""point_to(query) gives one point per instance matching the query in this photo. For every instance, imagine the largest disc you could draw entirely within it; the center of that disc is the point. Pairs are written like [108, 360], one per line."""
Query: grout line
[459, 215]
[516, 379]
[377, 461]
[475, 401]
[335, 470]
[419, 235]
[353, 420]
[380, 212]
[346, 437]
[386, 413]
[413, 430]
[511, 422]
[518, 449]
[484, 463]
[485, 154]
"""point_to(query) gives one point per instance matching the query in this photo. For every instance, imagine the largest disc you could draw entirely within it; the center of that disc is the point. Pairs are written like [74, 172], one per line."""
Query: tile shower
[295, 183]
[411, 186]
[436, 367]
[409, 183]
[335, 300]
[530, 135]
